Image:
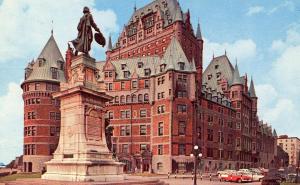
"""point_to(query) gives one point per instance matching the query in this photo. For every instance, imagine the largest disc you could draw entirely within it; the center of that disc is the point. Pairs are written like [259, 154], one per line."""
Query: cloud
[27, 25]
[11, 116]
[255, 10]
[279, 103]
[289, 5]
[242, 49]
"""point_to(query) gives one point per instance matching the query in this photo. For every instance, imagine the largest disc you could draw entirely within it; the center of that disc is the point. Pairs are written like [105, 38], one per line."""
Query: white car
[257, 177]
[244, 171]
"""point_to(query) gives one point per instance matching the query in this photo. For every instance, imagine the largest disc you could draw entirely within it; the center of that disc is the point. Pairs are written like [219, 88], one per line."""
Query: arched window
[140, 98]
[146, 97]
[116, 99]
[133, 98]
[128, 99]
[122, 99]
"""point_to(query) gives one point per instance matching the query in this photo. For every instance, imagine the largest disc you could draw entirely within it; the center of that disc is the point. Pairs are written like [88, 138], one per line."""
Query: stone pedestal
[82, 153]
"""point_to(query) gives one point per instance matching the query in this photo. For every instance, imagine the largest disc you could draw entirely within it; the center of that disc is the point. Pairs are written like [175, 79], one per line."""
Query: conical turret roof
[236, 76]
[109, 44]
[252, 89]
[198, 33]
[50, 57]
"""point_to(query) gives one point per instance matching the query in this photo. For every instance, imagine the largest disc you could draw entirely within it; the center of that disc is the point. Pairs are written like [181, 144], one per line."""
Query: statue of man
[85, 34]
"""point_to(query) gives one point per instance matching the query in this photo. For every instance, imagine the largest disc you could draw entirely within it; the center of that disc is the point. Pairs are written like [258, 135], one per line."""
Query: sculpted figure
[85, 34]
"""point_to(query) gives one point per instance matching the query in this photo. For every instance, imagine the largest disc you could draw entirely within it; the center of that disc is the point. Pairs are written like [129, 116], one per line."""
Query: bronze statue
[85, 34]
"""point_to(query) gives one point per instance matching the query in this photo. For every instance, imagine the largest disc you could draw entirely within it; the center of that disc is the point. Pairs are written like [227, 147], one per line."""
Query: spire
[178, 14]
[236, 76]
[109, 45]
[274, 133]
[52, 27]
[134, 8]
[225, 52]
[252, 89]
[198, 34]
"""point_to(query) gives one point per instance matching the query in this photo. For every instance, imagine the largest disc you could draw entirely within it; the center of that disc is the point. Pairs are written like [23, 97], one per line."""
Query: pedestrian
[201, 176]
[168, 175]
[210, 177]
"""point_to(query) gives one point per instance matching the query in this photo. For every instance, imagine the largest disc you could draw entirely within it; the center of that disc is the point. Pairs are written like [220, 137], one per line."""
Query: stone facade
[163, 104]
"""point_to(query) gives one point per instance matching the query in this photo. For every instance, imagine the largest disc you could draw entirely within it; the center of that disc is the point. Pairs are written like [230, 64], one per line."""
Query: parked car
[257, 177]
[238, 177]
[244, 171]
[223, 174]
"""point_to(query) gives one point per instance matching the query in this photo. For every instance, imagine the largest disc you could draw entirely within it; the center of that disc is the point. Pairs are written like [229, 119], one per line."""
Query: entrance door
[30, 167]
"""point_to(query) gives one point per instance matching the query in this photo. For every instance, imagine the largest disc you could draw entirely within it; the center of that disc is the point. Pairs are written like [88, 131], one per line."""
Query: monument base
[84, 171]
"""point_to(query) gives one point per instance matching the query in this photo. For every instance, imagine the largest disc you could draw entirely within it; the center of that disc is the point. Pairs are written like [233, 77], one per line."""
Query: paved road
[189, 181]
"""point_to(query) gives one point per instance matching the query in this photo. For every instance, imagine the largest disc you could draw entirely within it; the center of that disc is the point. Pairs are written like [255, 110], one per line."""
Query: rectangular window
[110, 86]
[126, 74]
[160, 109]
[127, 130]
[147, 72]
[134, 84]
[160, 149]
[52, 131]
[147, 84]
[181, 149]
[122, 130]
[160, 128]
[52, 115]
[160, 80]
[143, 113]
[54, 73]
[31, 115]
[37, 86]
[125, 148]
[122, 85]
[143, 130]
[182, 128]
[57, 116]
[181, 108]
[123, 66]
[110, 115]
[181, 94]
[210, 135]
[125, 114]
[143, 147]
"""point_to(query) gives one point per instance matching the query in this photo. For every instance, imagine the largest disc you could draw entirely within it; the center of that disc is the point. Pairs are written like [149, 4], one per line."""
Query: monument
[82, 153]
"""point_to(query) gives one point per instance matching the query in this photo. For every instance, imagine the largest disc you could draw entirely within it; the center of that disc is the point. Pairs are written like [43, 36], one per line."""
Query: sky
[262, 36]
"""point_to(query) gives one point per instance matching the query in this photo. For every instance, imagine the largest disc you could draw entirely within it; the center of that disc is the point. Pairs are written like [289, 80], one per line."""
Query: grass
[20, 176]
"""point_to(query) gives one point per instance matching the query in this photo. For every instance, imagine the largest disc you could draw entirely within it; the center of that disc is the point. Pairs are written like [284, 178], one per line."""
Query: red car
[237, 177]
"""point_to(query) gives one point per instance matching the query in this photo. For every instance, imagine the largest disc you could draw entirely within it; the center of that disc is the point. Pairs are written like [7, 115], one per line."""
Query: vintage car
[238, 177]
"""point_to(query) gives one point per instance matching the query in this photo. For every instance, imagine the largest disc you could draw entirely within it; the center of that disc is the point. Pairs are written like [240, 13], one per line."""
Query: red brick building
[160, 107]
[41, 111]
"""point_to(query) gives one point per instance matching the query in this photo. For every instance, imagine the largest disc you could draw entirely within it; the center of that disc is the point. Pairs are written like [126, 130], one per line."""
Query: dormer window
[123, 66]
[41, 62]
[60, 64]
[126, 74]
[209, 76]
[162, 67]
[54, 73]
[218, 75]
[181, 65]
[216, 66]
[140, 64]
[147, 72]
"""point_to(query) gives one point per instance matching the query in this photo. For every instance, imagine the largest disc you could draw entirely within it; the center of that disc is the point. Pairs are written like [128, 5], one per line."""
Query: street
[189, 181]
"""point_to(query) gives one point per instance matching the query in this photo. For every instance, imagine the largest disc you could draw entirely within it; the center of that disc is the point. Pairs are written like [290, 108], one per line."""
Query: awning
[183, 159]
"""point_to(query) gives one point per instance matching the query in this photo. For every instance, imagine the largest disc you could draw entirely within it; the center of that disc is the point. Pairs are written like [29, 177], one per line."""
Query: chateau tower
[41, 110]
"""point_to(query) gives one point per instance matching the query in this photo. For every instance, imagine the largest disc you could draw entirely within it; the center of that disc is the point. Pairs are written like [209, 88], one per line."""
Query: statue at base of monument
[85, 34]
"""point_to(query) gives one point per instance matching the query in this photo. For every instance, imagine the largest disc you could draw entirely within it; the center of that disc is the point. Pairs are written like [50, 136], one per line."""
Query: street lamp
[197, 154]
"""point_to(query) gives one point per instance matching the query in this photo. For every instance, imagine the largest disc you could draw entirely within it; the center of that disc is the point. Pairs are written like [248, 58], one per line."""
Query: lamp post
[197, 154]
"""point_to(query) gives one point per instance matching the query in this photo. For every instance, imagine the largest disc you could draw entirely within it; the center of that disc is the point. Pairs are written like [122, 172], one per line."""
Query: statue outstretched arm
[93, 24]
